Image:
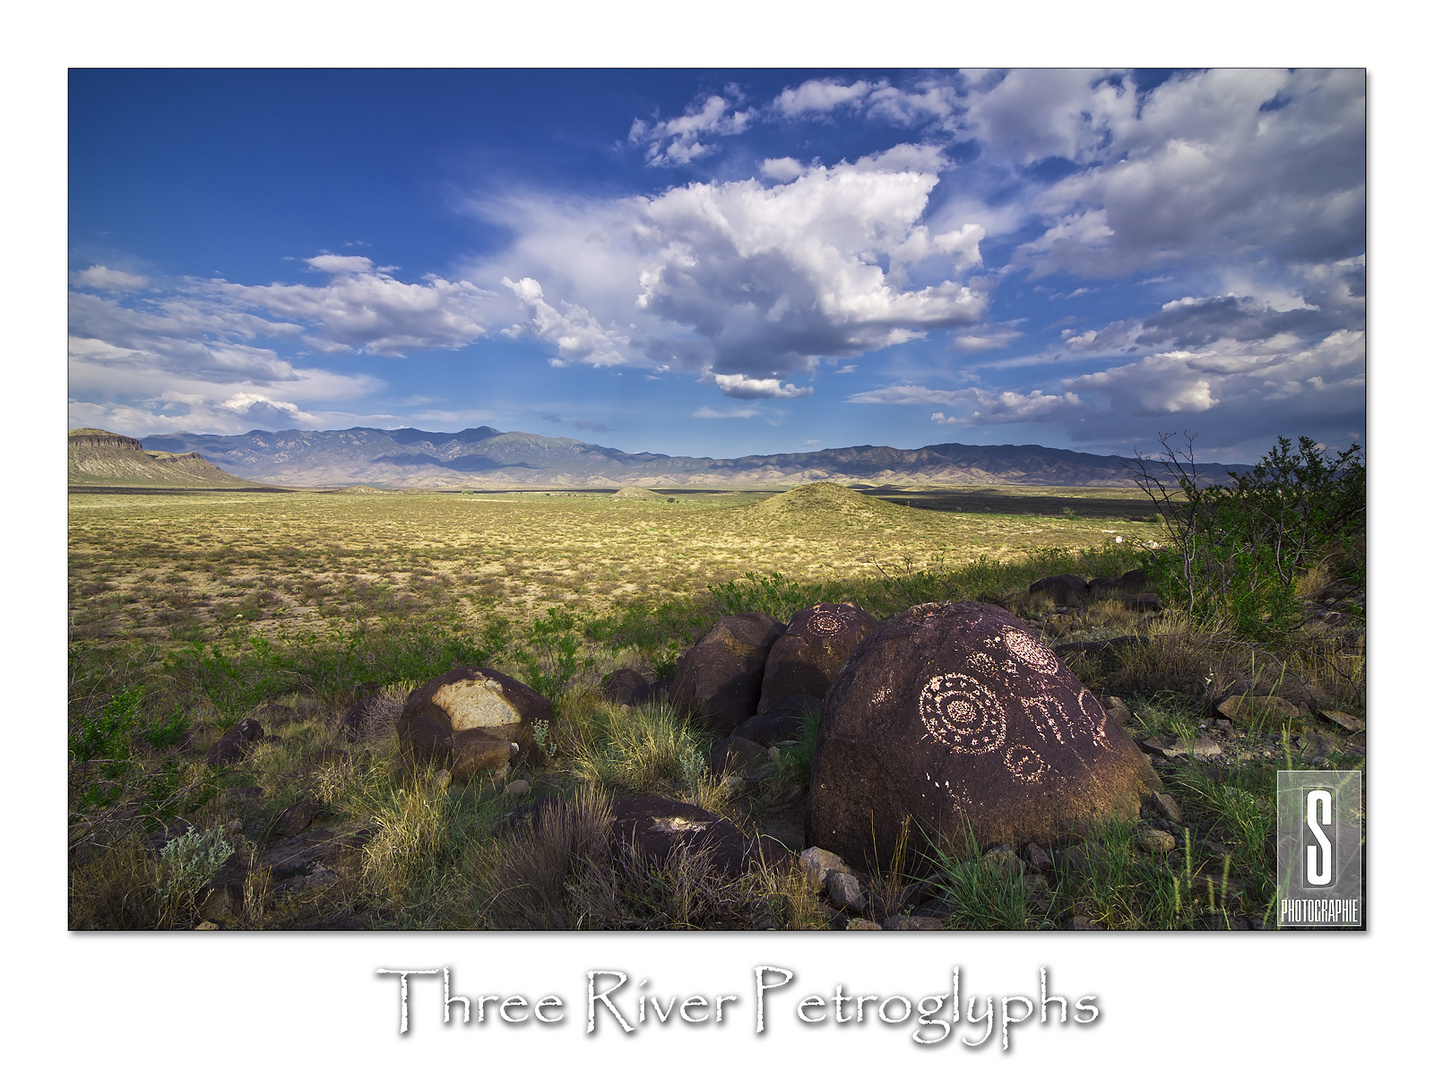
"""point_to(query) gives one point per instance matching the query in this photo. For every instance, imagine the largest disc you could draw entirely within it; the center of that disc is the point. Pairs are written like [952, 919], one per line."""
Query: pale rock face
[475, 703]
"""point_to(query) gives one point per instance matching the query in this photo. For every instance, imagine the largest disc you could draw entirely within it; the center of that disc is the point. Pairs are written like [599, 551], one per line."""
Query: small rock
[206, 925]
[912, 922]
[1039, 859]
[1352, 724]
[1119, 711]
[1080, 922]
[862, 924]
[1155, 841]
[817, 863]
[737, 755]
[441, 779]
[235, 743]
[516, 788]
[1248, 708]
[1147, 601]
[1005, 862]
[1174, 748]
[845, 891]
[297, 818]
[627, 686]
[1164, 806]
[1213, 888]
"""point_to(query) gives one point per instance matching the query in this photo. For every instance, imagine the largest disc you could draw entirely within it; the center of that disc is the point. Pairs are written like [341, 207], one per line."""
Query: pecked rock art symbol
[829, 620]
[1026, 649]
[971, 710]
[957, 716]
[962, 713]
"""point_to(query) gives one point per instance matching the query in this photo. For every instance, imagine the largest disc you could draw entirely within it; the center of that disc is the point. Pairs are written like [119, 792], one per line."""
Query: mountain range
[103, 460]
[488, 458]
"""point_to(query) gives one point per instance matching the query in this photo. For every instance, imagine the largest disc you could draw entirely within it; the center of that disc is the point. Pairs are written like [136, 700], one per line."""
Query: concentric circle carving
[830, 621]
[962, 714]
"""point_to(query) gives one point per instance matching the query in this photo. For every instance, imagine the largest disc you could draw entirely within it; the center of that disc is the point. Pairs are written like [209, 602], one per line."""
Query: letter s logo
[1319, 863]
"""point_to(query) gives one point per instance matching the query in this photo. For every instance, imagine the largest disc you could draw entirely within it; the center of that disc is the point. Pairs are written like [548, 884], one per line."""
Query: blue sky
[723, 262]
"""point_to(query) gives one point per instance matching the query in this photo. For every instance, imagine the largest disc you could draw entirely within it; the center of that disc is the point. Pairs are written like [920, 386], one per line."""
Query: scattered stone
[1154, 841]
[1161, 804]
[861, 924]
[1177, 748]
[1004, 861]
[470, 718]
[1148, 601]
[1250, 708]
[1214, 889]
[627, 686]
[913, 922]
[811, 650]
[223, 901]
[1074, 860]
[1080, 922]
[1119, 711]
[719, 680]
[296, 818]
[738, 755]
[206, 926]
[441, 779]
[371, 717]
[517, 788]
[1352, 724]
[1039, 858]
[817, 863]
[957, 717]
[235, 743]
[1056, 625]
[845, 891]
[1133, 579]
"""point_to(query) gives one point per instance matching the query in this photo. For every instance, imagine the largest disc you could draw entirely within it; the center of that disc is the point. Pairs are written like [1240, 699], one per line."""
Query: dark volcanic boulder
[627, 686]
[1063, 589]
[235, 743]
[956, 716]
[719, 680]
[783, 721]
[469, 717]
[815, 645]
[655, 827]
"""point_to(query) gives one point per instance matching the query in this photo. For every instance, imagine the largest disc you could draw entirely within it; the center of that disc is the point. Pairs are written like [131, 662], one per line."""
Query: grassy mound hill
[826, 501]
[102, 458]
[631, 492]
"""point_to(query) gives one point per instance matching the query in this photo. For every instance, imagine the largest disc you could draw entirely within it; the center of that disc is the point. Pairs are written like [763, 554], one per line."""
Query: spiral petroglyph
[829, 621]
[983, 730]
[1024, 763]
[962, 714]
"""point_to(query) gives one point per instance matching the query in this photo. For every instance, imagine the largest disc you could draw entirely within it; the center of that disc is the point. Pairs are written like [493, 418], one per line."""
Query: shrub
[1237, 550]
[187, 864]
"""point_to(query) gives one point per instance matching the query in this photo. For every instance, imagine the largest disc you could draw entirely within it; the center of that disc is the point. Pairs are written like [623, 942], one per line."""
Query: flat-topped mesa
[99, 439]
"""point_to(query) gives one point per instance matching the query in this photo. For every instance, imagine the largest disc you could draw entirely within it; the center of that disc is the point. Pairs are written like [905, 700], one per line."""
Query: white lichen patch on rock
[475, 703]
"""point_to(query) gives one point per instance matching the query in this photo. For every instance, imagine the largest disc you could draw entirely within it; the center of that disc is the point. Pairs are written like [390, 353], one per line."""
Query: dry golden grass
[168, 567]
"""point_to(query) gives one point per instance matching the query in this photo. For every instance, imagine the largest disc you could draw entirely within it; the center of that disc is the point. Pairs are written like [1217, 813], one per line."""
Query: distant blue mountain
[484, 456]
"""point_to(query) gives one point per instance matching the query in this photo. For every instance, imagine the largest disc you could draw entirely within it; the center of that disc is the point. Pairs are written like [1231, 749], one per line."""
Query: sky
[723, 262]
